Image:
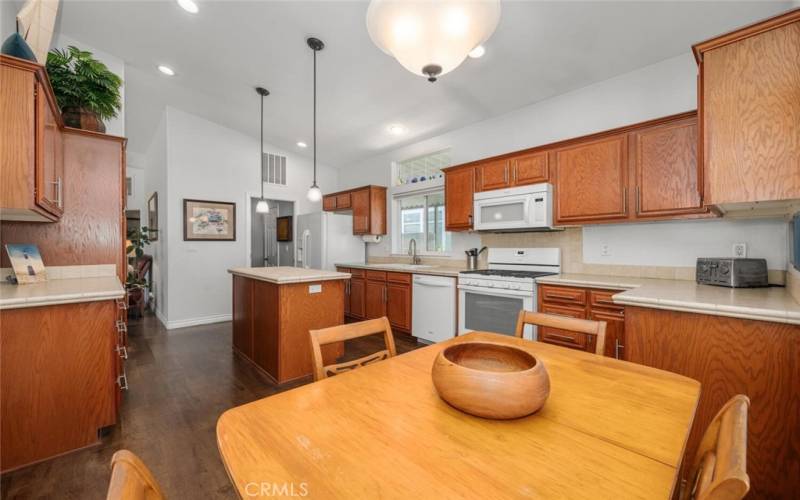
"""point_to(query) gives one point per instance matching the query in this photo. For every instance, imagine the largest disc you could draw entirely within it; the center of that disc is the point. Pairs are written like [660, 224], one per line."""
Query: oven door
[490, 310]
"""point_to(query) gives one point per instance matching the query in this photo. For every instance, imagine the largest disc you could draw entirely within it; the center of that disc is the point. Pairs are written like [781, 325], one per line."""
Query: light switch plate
[740, 250]
[315, 288]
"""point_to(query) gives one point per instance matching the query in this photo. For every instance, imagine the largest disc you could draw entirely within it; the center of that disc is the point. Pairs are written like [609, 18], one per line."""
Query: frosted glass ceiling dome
[431, 37]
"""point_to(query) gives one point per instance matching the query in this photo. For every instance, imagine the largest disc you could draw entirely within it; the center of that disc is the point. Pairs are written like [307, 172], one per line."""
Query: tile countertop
[60, 291]
[424, 269]
[285, 274]
[766, 304]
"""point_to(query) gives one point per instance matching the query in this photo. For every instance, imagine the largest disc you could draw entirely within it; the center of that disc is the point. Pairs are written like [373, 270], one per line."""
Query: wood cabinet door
[49, 173]
[565, 338]
[666, 169]
[459, 188]
[398, 305]
[375, 299]
[529, 169]
[361, 211]
[357, 298]
[592, 181]
[346, 290]
[329, 202]
[615, 331]
[495, 174]
[342, 201]
[750, 110]
[243, 315]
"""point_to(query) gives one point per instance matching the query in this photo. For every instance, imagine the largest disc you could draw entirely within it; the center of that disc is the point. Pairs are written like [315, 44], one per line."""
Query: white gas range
[490, 299]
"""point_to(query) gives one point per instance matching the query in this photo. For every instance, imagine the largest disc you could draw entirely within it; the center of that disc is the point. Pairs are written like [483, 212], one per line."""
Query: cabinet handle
[617, 348]
[625, 200]
[561, 337]
[58, 186]
[122, 381]
[385, 294]
[505, 174]
[514, 173]
[557, 296]
[638, 200]
[469, 217]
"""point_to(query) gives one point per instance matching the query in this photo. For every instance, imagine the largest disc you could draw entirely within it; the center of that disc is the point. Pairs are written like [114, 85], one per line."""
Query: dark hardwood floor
[180, 381]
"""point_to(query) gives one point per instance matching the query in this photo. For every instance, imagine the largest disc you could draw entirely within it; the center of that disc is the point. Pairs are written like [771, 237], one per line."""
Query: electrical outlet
[604, 250]
[740, 250]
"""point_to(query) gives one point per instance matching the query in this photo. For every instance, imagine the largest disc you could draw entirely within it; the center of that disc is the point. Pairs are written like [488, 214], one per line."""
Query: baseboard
[204, 320]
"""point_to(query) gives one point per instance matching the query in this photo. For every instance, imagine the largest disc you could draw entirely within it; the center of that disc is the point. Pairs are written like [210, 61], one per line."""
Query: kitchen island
[273, 310]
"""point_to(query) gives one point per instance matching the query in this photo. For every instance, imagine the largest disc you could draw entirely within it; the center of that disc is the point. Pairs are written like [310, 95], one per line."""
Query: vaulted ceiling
[540, 49]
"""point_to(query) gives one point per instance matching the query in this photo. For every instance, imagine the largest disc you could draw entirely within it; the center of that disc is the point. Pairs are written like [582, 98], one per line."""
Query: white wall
[155, 181]
[679, 244]
[209, 162]
[115, 126]
[661, 89]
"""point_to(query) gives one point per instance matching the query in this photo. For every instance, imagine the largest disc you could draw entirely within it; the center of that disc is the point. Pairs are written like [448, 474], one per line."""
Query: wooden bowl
[491, 380]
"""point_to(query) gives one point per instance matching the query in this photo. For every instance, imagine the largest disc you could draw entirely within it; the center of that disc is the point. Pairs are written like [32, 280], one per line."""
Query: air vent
[274, 169]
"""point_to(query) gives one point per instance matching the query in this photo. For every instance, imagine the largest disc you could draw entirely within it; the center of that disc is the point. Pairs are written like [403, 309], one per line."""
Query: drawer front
[565, 338]
[356, 273]
[602, 299]
[329, 202]
[376, 275]
[343, 269]
[343, 201]
[563, 294]
[398, 277]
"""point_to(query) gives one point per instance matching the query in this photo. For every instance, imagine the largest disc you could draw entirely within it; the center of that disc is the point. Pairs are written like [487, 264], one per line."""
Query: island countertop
[285, 274]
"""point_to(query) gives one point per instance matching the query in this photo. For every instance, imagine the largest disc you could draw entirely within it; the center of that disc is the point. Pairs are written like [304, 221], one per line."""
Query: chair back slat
[350, 331]
[131, 479]
[720, 466]
[585, 326]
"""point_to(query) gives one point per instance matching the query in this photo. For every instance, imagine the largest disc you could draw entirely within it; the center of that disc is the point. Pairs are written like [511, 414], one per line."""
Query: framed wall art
[205, 220]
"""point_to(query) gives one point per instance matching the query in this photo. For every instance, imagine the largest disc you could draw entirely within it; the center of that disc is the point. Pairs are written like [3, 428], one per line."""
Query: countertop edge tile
[297, 274]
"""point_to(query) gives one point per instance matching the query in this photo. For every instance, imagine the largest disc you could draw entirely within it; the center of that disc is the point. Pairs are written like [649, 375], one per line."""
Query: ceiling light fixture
[262, 207]
[188, 6]
[431, 38]
[397, 129]
[477, 52]
[301, 144]
[166, 70]
[314, 192]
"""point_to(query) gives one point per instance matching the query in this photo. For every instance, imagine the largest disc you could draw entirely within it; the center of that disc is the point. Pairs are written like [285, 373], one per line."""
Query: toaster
[732, 272]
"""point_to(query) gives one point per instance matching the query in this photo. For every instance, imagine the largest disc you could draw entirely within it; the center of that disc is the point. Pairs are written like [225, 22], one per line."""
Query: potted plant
[86, 90]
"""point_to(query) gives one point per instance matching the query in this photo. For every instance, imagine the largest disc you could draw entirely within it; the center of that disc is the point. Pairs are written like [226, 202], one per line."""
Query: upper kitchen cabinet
[749, 105]
[459, 188]
[368, 205]
[515, 170]
[666, 175]
[591, 180]
[32, 152]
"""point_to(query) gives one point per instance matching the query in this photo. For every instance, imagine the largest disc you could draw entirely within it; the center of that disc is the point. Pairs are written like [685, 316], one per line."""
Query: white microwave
[518, 208]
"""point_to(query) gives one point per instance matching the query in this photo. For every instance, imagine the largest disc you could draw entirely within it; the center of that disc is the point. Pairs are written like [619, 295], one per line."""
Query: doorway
[266, 248]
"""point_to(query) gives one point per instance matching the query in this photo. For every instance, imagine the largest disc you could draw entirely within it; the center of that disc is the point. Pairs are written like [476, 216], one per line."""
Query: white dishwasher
[434, 308]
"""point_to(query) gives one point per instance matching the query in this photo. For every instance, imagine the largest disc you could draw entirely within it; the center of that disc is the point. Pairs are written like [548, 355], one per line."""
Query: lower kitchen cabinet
[583, 303]
[373, 294]
[61, 373]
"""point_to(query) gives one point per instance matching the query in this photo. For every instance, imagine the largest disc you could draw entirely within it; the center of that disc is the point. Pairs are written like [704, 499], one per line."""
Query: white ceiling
[540, 49]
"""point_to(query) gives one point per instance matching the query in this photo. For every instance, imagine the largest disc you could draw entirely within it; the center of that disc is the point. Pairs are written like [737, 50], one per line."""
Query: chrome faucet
[412, 251]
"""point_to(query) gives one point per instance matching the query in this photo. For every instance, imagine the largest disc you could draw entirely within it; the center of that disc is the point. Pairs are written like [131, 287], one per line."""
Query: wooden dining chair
[131, 479]
[719, 470]
[585, 326]
[341, 333]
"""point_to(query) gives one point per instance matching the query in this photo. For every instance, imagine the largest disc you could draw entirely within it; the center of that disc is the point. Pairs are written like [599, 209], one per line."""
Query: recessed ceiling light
[166, 70]
[397, 129]
[188, 6]
[301, 144]
[477, 52]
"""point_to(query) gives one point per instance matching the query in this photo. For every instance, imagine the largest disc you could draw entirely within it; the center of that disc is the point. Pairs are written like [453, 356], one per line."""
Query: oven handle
[497, 292]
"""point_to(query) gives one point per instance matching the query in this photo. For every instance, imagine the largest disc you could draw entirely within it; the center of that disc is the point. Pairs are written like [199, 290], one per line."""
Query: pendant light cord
[261, 163]
[315, 118]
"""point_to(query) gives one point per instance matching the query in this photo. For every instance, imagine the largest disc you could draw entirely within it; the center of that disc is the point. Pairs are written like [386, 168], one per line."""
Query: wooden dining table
[609, 429]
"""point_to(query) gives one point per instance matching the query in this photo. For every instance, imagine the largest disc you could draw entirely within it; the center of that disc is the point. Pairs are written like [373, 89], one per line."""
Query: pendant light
[262, 207]
[431, 38]
[314, 192]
